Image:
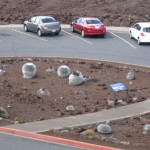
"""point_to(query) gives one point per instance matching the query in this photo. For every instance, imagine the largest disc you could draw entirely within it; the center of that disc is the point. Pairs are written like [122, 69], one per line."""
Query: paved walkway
[105, 115]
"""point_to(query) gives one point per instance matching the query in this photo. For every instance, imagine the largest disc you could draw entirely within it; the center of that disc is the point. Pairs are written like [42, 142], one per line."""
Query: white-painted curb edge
[66, 26]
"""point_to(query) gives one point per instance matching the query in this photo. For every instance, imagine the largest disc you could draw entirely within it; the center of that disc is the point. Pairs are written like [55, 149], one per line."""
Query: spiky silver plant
[76, 78]
[104, 128]
[29, 70]
[63, 71]
[131, 74]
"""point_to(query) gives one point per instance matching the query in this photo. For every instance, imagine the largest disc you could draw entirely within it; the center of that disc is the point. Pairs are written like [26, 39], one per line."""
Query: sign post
[118, 87]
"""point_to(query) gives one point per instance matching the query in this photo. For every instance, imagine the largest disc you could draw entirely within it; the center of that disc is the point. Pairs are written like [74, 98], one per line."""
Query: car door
[31, 24]
[74, 24]
[81, 25]
[78, 25]
[35, 24]
[136, 31]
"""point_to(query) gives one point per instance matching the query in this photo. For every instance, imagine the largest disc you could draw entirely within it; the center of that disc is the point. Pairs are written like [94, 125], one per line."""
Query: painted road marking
[77, 37]
[39, 38]
[123, 40]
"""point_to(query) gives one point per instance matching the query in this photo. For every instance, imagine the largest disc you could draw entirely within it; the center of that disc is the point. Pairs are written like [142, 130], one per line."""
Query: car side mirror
[75, 21]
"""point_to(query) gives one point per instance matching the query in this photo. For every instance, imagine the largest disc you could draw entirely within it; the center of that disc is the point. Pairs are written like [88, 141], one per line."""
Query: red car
[88, 26]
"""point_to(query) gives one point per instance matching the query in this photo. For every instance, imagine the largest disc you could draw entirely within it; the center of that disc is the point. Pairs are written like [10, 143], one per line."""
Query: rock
[122, 102]
[110, 103]
[134, 99]
[8, 106]
[145, 132]
[83, 92]
[24, 88]
[114, 140]
[103, 138]
[29, 59]
[50, 71]
[2, 72]
[139, 144]
[146, 127]
[43, 92]
[64, 131]
[125, 142]
[70, 108]
[61, 98]
[104, 128]
[91, 79]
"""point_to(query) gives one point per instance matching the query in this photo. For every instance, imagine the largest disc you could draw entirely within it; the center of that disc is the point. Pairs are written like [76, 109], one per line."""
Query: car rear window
[48, 20]
[93, 21]
[146, 29]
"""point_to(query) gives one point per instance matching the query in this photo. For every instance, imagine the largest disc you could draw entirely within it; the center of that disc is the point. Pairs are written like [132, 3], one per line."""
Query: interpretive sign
[118, 87]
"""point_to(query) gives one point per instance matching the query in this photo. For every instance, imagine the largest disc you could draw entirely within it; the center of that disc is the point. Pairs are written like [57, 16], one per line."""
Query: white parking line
[77, 37]
[30, 35]
[123, 40]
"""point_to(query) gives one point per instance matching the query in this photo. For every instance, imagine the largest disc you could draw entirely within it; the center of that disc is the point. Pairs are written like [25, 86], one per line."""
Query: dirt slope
[111, 12]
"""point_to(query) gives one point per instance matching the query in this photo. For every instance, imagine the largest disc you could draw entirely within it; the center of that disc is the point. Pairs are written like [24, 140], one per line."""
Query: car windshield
[93, 21]
[48, 20]
[146, 29]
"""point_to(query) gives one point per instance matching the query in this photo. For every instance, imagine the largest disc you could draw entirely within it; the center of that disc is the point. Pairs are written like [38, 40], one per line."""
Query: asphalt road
[116, 46]
[12, 142]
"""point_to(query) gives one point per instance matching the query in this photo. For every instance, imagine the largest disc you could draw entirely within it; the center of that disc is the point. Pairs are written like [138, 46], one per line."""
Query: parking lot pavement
[116, 46]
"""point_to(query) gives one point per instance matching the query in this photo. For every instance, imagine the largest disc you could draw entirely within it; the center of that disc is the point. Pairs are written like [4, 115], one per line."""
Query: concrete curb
[56, 140]
[67, 26]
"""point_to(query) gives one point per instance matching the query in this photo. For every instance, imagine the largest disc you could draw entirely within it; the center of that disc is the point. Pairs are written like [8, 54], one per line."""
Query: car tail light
[142, 34]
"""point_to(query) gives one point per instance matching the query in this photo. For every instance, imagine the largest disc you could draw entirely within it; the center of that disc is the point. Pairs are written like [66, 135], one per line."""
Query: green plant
[88, 133]
[17, 120]
[3, 113]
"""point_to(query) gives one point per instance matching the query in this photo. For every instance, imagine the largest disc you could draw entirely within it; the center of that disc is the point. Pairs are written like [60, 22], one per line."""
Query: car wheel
[103, 35]
[139, 42]
[57, 33]
[25, 28]
[72, 28]
[83, 33]
[131, 37]
[39, 32]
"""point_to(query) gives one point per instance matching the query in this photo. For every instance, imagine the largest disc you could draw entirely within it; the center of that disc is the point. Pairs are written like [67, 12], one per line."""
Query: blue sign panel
[117, 87]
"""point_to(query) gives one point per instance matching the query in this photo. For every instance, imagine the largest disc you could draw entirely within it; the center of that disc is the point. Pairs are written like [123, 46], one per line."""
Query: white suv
[141, 32]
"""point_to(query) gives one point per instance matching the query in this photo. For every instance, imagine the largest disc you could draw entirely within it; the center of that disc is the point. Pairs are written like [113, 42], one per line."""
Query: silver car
[42, 25]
